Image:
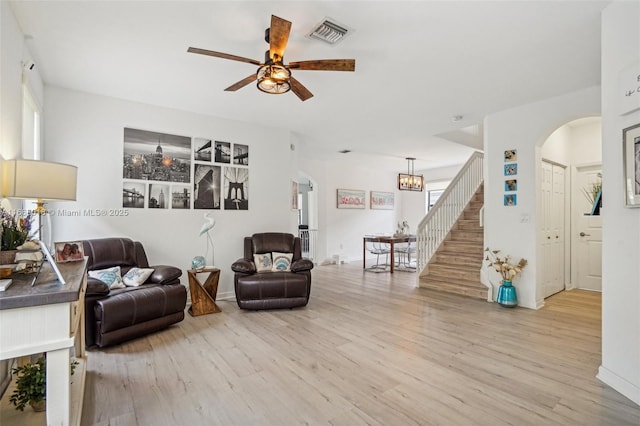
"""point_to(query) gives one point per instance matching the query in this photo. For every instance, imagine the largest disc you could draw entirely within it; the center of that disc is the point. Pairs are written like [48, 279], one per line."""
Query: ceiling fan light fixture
[274, 79]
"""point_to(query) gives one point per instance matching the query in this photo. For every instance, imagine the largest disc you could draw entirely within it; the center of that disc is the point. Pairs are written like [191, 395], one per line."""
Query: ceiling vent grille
[329, 31]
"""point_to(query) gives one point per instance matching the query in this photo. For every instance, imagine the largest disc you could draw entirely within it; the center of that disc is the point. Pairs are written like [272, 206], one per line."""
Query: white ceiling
[418, 63]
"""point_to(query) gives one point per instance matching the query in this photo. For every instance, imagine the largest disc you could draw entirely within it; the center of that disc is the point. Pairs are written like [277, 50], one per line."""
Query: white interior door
[552, 228]
[587, 233]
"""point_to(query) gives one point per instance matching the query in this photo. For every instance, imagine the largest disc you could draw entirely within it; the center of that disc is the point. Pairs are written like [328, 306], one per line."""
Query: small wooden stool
[203, 296]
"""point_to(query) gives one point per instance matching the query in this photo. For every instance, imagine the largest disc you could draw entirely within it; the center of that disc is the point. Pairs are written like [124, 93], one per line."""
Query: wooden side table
[203, 296]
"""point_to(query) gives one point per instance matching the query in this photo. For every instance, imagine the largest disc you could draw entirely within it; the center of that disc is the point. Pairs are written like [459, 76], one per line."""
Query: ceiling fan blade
[222, 55]
[241, 83]
[325, 65]
[278, 37]
[302, 92]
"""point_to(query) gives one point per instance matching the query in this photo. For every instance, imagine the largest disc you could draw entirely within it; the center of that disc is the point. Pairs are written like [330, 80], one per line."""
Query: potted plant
[31, 385]
[14, 231]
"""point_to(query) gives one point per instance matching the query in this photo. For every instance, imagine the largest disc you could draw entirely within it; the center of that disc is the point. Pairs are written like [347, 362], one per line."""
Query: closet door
[552, 228]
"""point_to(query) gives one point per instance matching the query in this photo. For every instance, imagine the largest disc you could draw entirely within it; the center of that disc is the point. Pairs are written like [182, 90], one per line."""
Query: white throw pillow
[281, 261]
[136, 276]
[109, 276]
[262, 261]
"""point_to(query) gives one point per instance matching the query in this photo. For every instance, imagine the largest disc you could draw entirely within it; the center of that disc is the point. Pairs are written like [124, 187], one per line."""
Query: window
[432, 197]
[434, 191]
[31, 118]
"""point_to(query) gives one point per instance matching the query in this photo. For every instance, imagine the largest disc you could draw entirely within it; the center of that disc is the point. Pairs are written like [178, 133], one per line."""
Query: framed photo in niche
[631, 158]
[350, 199]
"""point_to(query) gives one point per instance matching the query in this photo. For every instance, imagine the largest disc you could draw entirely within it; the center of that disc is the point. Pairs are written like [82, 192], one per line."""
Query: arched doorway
[570, 226]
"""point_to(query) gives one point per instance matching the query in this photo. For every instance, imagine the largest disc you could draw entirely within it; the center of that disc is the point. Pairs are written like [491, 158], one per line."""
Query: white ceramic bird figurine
[209, 223]
[206, 227]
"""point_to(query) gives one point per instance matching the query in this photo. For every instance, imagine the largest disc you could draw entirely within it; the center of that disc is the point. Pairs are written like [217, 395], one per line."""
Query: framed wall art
[511, 169]
[382, 200]
[510, 200]
[350, 198]
[631, 156]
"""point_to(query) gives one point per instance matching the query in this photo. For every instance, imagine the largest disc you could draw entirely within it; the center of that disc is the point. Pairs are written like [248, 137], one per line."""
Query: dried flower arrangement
[503, 265]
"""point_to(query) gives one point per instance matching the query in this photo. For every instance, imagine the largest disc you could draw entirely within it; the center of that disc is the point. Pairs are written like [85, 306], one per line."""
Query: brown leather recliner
[113, 316]
[272, 290]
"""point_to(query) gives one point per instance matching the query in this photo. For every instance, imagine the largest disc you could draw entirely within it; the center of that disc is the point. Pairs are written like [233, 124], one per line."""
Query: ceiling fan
[273, 75]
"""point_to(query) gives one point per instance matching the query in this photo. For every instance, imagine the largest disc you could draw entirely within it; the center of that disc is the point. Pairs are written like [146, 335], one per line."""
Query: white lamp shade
[43, 180]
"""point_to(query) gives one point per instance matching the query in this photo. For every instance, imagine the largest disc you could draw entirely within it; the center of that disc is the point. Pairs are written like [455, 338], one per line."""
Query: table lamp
[39, 180]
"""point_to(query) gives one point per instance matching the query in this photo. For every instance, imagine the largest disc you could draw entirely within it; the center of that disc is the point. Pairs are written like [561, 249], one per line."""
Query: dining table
[385, 239]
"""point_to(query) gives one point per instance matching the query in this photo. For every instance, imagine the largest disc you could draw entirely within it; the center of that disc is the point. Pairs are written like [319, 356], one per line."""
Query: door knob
[582, 234]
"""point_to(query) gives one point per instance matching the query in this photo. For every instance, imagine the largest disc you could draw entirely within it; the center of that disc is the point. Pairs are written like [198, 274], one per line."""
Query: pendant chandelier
[410, 181]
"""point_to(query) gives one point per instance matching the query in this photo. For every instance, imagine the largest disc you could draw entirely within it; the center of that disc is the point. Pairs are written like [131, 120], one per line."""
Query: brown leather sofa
[272, 290]
[113, 316]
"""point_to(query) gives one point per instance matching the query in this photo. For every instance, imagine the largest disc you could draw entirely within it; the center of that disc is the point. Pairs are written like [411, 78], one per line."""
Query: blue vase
[507, 295]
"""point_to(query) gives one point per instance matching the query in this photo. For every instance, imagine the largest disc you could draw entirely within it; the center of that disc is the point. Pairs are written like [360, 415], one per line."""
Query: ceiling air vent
[329, 31]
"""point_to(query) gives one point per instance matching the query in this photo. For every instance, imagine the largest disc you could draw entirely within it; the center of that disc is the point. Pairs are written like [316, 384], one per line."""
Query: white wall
[557, 147]
[341, 230]
[621, 246]
[11, 46]
[513, 230]
[87, 131]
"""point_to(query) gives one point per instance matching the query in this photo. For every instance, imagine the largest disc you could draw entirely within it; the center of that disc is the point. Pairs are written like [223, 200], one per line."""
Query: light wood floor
[369, 349]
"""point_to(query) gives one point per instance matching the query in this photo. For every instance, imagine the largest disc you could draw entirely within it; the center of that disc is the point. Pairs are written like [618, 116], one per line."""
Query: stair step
[455, 259]
[467, 236]
[477, 291]
[469, 224]
[468, 247]
[454, 273]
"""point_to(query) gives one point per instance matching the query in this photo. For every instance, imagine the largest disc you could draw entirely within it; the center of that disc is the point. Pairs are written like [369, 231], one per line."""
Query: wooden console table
[47, 317]
[203, 296]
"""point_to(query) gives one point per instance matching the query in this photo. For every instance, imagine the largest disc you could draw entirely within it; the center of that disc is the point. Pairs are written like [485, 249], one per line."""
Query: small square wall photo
[511, 169]
[510, 155]
[511, 185]
[510, 200]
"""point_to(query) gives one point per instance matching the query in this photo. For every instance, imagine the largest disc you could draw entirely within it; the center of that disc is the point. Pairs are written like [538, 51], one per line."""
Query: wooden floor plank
[369, 349]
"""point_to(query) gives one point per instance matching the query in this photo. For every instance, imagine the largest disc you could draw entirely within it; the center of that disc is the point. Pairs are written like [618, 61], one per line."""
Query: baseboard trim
[227, 295]
[620, 384]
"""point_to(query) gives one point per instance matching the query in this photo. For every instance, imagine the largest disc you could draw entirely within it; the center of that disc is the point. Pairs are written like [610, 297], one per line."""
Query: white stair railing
[437, 224]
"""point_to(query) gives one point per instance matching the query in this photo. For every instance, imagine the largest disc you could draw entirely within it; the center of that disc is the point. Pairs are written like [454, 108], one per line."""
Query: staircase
[455, 266]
